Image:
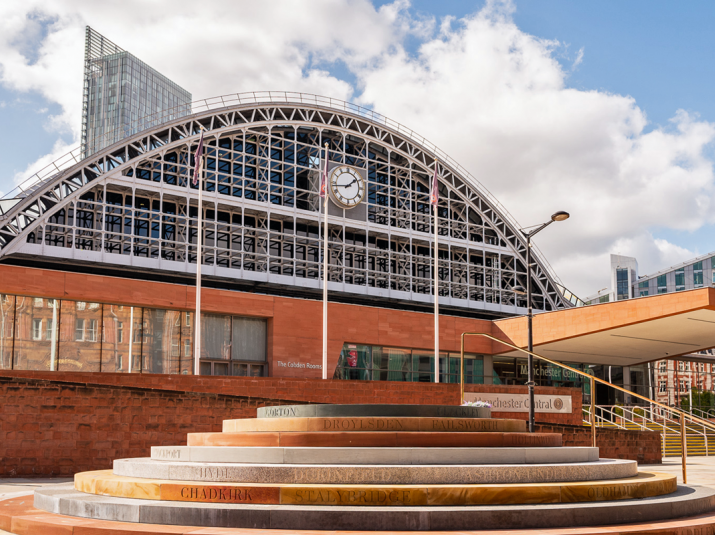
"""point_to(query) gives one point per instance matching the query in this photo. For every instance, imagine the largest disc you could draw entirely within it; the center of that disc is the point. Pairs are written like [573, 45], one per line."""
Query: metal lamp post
[558, 216]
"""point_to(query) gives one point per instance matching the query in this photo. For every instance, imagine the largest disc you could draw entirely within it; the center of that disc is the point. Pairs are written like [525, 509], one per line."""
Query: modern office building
[123, 95]
[670, 380]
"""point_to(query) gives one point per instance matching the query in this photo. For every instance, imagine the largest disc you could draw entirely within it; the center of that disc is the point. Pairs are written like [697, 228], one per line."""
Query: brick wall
[78, 422]
[51, 429]
[641, 446]
[310, 390]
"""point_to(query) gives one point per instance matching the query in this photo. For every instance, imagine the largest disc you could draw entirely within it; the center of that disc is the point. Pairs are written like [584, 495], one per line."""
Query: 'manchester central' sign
[520, 402]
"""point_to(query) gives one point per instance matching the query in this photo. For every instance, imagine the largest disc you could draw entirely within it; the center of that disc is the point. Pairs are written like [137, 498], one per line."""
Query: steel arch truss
[261, 187]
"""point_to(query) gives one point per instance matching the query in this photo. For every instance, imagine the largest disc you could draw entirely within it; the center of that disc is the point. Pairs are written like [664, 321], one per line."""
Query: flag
[434, 190]
[197, 158]
[324, 176]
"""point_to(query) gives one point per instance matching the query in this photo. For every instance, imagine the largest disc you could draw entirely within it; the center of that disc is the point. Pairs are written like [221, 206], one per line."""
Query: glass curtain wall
[377, 363]
[37, 333]
[61, 335]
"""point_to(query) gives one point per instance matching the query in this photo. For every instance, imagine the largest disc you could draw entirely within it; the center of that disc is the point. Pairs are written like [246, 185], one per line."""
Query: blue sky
[552, 133]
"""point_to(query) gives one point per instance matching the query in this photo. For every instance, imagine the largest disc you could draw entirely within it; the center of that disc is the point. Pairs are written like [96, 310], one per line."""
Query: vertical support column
[593, 412]
[199, 261]
[684, 446]
[461, 370]
[326, 253]
[530, 361]
[436, 294]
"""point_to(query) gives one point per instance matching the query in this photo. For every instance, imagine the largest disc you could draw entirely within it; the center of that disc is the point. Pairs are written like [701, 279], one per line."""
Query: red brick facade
[52, 425]
[641, 446]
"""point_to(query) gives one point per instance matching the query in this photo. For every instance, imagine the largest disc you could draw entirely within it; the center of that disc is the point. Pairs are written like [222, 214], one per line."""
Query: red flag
[324, 177]
[197, 158]
[434, 190]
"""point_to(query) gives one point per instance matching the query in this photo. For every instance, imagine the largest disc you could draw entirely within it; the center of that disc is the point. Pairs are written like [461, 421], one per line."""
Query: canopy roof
[623, 333]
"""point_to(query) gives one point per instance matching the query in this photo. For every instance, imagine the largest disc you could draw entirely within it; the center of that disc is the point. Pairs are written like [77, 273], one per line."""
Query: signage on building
[293, 364]
[520, 402]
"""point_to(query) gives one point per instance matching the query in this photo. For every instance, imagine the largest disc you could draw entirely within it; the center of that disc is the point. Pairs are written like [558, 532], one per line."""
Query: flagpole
[435, 202]
[324, 181]
[199, 240]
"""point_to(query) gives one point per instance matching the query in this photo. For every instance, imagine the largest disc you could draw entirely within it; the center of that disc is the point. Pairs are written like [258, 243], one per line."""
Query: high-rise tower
[123, 95]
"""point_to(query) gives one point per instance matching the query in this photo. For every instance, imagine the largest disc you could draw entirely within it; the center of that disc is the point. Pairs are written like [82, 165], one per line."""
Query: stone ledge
[374, 474]
[685, 502]
[372, 456]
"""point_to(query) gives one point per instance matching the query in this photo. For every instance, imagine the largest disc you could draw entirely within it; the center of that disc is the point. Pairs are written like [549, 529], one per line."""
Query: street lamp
[558, 216]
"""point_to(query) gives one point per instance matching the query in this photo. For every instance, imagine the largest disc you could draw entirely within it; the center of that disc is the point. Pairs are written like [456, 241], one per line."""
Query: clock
[347, 186]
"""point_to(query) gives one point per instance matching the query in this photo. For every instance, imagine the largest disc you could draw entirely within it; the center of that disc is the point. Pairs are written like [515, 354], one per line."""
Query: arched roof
[117, 166]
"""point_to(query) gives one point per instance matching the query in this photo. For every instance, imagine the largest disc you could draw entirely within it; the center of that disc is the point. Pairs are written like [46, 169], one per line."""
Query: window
[663, 387]
[91, 334]
[48, 334]
[37, 302]
[643, 293]
[188, 319]
[701, 367]
[697, 274]
[37, 329]
[79, 330]
[81, 305]
[621, 284]
[682, 386]
[120, 332]
[663, 366]
[662, 285]
[680, 365]
[679, 280]
[603, 298]
[187, 348]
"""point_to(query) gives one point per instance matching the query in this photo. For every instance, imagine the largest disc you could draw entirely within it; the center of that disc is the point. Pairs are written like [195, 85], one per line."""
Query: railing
[279, 97]
[640, 416]
[682, 415]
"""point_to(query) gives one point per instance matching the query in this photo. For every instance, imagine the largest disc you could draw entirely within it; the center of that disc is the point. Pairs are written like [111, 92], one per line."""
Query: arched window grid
[279, 166]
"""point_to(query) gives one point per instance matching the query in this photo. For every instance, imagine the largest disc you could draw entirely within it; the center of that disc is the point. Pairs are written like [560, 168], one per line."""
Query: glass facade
[622, 284]
[123, 95]
[679, 280]
[61, 335]
[384, 244]
[662, 284]
[377, 363]
[697, 274]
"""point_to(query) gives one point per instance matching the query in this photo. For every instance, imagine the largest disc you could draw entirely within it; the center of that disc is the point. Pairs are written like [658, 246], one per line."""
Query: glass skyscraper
[123, 95]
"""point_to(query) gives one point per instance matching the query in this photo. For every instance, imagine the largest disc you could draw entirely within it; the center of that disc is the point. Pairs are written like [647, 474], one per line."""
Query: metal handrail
[683, 414]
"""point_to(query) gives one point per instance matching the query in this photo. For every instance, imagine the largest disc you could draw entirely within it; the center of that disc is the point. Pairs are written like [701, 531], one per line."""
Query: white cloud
[496, 100]
[490, 95]
[578, 60]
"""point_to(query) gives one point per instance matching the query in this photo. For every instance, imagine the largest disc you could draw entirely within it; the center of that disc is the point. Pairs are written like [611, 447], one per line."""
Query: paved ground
[700, 471]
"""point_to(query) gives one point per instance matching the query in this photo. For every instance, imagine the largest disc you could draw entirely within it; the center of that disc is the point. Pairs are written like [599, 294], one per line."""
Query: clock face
[347, 186]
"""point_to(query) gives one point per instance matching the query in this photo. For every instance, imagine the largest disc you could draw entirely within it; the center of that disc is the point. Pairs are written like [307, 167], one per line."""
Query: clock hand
[351, 183]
